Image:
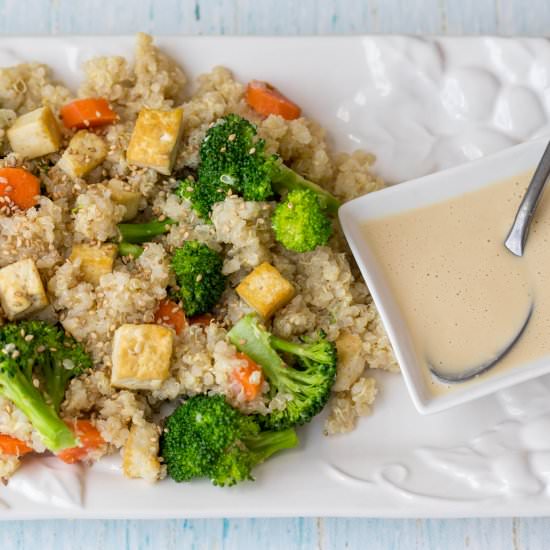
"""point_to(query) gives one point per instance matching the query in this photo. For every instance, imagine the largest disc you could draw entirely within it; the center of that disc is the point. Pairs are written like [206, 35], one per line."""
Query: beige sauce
[463, 295]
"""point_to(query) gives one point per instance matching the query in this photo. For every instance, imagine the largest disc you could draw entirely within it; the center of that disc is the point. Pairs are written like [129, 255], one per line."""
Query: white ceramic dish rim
[417, 193]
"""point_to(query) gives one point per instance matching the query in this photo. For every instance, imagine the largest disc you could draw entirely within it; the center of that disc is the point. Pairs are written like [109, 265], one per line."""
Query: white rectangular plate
[420, 105]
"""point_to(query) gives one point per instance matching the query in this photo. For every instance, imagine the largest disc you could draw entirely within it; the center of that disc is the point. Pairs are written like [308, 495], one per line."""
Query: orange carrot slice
[87, 113]
[250, 376]
[171, 315]
[89, 437]
[12, 446]
[266, 100]
[19, 186]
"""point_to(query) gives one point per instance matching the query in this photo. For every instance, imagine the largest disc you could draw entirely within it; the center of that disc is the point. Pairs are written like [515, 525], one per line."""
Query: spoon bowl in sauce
[462, 373]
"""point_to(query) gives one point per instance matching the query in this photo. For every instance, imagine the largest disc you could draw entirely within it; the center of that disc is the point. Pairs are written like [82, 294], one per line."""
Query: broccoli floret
[142, 232]
[37, 360]
[307, 383]
[285, 179]
[233, 160]
[299, 222]
[198, 271]
[206, 437]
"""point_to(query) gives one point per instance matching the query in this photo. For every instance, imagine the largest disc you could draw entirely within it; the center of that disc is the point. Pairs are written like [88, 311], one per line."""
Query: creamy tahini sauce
[462, 294]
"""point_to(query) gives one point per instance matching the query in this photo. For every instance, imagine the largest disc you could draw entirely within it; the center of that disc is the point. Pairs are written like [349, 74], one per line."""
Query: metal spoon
[515, 243]
[468, 374]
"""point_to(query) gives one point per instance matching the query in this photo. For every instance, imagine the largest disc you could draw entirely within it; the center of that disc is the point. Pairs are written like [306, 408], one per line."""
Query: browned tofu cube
[141, 356]
[140, 455]
[155, 139]
[265, 290]
[95, 261]
[21, 289]
[85, 151]
[35, 134]
[129, 199]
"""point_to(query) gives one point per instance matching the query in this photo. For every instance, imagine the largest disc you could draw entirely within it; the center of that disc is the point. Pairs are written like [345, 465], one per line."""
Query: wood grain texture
[277, 534]
[525, 17]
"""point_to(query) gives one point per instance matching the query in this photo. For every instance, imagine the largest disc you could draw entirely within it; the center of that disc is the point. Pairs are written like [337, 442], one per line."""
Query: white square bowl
[418, 193]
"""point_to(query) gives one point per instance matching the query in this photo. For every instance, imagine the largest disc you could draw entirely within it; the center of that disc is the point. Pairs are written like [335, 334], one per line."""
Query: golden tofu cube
[129, 199]
[21, 289]
[85, 151]
[35, 134]
[141, 356]
[351, 361]
[140, 455]
[95, 261]
[265, 290]
[155, 139]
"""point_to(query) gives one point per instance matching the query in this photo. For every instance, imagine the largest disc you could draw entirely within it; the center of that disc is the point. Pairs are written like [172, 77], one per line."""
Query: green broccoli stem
[248, 337]
[129, 249]
[56, 379]
[318, 351]
[54, 433]
[284, 179]
[265, 444]
[301, 350]
[136, 233]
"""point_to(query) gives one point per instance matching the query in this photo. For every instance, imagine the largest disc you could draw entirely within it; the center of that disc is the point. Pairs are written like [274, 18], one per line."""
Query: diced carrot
[12, 446]
[89, 437]
[171, 315]
[204, 319]
[20, 186]
[266, 100]
[87, 113]
[249, 376]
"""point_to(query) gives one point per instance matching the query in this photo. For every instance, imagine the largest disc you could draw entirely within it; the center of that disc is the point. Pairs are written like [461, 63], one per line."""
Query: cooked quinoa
[329, 292]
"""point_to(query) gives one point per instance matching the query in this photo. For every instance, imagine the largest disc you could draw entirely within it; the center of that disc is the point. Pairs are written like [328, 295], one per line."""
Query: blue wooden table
[527, 17]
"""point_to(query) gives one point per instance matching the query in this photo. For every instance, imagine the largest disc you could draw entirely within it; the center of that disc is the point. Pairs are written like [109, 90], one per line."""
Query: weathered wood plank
[275, 16]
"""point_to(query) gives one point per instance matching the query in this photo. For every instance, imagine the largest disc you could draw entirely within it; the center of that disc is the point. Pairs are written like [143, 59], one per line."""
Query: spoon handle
[515, 242]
